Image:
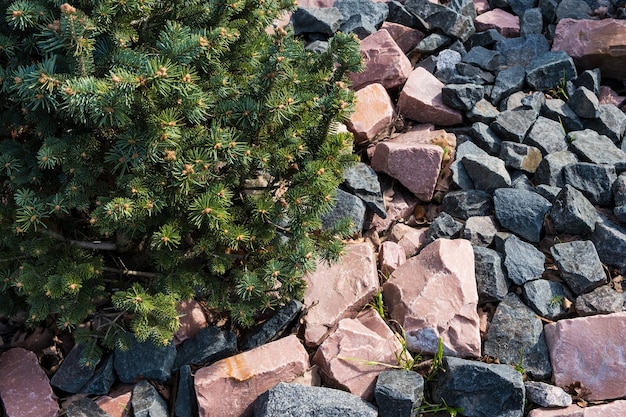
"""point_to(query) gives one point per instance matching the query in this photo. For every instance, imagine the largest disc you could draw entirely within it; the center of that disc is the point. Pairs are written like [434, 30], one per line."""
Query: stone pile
[492, 201]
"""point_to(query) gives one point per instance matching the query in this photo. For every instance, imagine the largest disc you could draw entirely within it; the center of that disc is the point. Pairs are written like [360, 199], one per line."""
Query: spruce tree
[152, 151]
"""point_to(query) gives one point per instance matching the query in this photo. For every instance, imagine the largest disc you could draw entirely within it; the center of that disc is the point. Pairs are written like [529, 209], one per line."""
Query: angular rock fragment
[602, 300]
[519, 156]
[549, 69]
[444, 226]
[579, 265]
[584, 103]
[547, 298]
[373, 112]
[547, 135]
[522, 260]
[490, 278]
[362, 181]
[274, 327]
[147, 402]
[144, 359]
[521, 211]
[399, 393]
[593, 180]
[488, 173]
[592, 147]
[514, 124]
[467, 203]
[550, 169]
[609, 239]
[480, 230]
[572, 213]
[546, 395]
[210, 345]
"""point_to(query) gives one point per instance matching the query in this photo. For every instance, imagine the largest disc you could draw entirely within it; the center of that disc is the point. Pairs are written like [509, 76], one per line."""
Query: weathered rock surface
[373, 112]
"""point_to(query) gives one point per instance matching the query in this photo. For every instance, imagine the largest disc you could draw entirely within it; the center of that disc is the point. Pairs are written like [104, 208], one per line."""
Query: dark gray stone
[550, 169]
[516, 334]
[549, 69]
[316, 20]
[531, 22]
[488, 173]
[400, 15]
[521, 6]
[210, 345]
[611, 122]
[346, 206]
[521, 211]
[467, 203]
[602, 300]
[579, 265]
[519, 156]
[433, 42]
[590, 146]
[520, 180]
[483, 111]
[85, 407]
[485, 138]
[487, 38]
[462, 96]
[546, 298]
[558, 110]
[609, 238]
[620, 213]
[573, 9]
[584, 103]
[534, 100]
[508, 81]
[484, 58]
[594, 181]
[490, 278]
[480, 230]
[546, 395]
[295, 400]
[548, 10]
[480, 389]
[362, 181]
[548, 192]
[144, 359]
[104, 377]
[589, 79]
[72, 375]
[619, 190]
[464, 7]
[547, 135]
[572, 213]
[444, 226]
[440, 17]
[521, 51]
[361, 17]
[523, 262]
[398, 393]
[147, 402]
[460, 177]
[274, 327]
[186, 403]
[514, 124]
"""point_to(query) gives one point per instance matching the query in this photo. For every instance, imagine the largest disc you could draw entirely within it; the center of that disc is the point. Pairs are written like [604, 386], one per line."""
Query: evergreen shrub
[156, 150]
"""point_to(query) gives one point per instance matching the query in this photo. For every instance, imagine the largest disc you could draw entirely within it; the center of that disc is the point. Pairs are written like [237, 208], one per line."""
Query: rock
[444, 226]
[594, 44]
[611, 122]
[579, 265]
[483, 111]
[384, 61]
[413, 240]
[462, 96]
[549, 70]
[347, 206]
[488, 173]
[85, 407]
[546, 395]
[558, 110]
[337, 291]
[521, 51]
[589, 79]
[186, 404]
[229, 387]
[118, 402]
[361, 17]
[486, 138]
[441, 269]
[602, 300]
[390, 256]
[467, 203]
[592, 147]
[144, 359]
[521, 211]
[486, 38]
[460, 177]
[480, 389]
[104, 377]
[546, 298]
[373, 112]
[550, 169]
[421, 100]
[609, 239]
[325, 20]
[519, 156]
[346, 359]
[534, 100]
[405, 36]
[274, 327]
[480, 230]
[484, 58]
[437, 16]
[584, 103]
[594, 181]
[516, 337]
[210, 345]
[295, 400]
[432, 42]
[613, 409]
[24, 387]
[508, 81]
[490, 279]
[400, 15]
[522, 260]
[531, 22]
[547, 135]
[548, 192]
[73, 375]
[573, 9]
[608, 96]
[415, 165]
[147, 402]
[514, 124]
[572, 213]
[362, 181]
[192, 319]
[601, 374]
[505, 23]
[399, 393]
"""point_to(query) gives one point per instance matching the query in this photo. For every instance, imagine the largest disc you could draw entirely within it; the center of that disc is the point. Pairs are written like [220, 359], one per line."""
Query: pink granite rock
[390, 256]
[614, 409]
[594, 44]
[339, 291]
[24, 386]
[117, 403]
[407, 38]
[433, 295]
[413, 240]
[373, 112]
[609, 96]
[342, 358]
[590, 351]
[385, 63]
[481, 6]
[229, 387]
[421, 100]
[399, 205]
[192, 320]
[505, 23]
[416, 166]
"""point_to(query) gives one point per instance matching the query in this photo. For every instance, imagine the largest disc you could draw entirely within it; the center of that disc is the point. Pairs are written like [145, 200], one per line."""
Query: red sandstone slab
[373, 112]
[505, 23]
[614, 409]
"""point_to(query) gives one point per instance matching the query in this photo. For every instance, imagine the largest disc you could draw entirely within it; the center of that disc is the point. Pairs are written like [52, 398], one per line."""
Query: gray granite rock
[573, 9]
[487, 38]
[589, 79]
[516, 336]
[548, 10]
[361, 17]
[549, 69]
[531, 22]
[325, 20]
[547, 135]
[488, 173]
[611, 122]
[295, 400]
[514, 124]
[521, 51]
[523, 262]
[619, 190]
[550, 169]
[520, 180]
[437, 16]
[274, 327]
[486, 138]
[558, 110]
[546, 395]
[462, 96]
[460, 177]
[548, 192]
[480, 230]
[491, 281]
[592, 147]
[447, 60]
[85, 407]
[521, 211]
[398, 393]
[546, 298]
[602, 300]
[508, 81]
[584, 103]
[362, 181]
[572, 213]
[147, 402]
[480, 389]
[520, 156]
[464, 73]
[483, 111]
[346, 206]
[444, 226]
[487, 59]
[186, 403]
[400, 15]
[467, 203]
[144, 359]
[609, 239]
[594, 181]
[533, 100]
[520, 6]
[210, 345]
[433, 42]
[579, 265]
[104, 377]
[72, 375]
